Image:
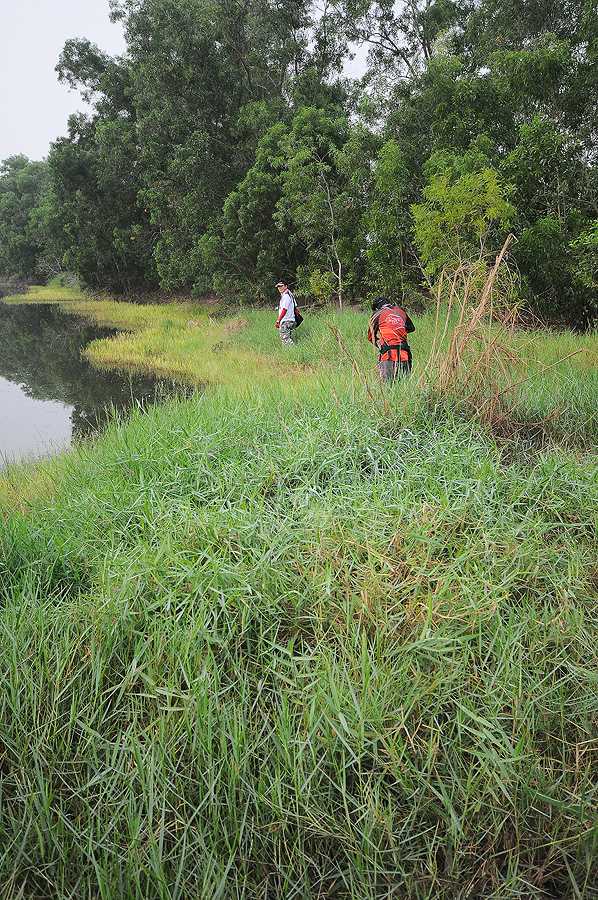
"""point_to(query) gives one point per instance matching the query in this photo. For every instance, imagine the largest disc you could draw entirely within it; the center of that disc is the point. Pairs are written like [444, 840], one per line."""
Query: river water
[50, 395]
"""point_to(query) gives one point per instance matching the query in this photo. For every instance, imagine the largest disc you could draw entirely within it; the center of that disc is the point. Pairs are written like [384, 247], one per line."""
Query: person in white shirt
[286, 321]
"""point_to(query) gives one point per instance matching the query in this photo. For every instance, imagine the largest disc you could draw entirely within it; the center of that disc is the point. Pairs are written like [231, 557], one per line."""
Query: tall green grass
[273, 646]
[556, 373]
[554, 400]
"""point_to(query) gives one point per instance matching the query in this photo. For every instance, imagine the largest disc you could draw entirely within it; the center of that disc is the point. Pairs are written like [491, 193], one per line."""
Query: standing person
[388, 330]
[288, 314]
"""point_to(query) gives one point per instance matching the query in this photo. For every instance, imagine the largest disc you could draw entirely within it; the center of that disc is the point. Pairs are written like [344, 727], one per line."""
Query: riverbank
[273, 642]
[180, 340]
[202, 344]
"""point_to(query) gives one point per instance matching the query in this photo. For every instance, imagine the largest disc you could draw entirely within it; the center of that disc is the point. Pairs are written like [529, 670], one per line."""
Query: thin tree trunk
[339, 273]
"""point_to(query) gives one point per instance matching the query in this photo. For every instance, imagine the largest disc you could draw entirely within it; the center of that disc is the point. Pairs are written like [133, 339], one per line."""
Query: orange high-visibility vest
[388, 331]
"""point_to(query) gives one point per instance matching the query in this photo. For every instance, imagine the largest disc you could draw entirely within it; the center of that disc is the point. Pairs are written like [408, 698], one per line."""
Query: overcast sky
[34, 107]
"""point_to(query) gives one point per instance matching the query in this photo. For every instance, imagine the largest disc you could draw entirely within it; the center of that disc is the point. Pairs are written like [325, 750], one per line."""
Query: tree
[106, 237]
[198, 69]
[386, 223]
[531, 96]
[465, 213]
[96, 175]
[227, 146]
[320, 208]
[247, 252]
[401, 36]
[22, 187]
[557, 199]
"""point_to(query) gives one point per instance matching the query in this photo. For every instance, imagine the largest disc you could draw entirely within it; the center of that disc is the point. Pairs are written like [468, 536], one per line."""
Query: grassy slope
[260, 644]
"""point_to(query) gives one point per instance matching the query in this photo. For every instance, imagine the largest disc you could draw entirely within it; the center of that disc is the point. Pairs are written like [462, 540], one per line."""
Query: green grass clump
[273, 646]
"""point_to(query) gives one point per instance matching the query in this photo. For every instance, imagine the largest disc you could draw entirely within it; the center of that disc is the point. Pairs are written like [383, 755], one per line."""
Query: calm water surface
[51, 396]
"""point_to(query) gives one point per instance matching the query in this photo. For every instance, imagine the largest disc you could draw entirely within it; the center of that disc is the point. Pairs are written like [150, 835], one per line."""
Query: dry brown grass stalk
[478, 324]
[472, 362]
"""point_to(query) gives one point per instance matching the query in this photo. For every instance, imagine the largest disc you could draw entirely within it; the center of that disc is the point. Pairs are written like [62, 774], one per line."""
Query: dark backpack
[298, 316]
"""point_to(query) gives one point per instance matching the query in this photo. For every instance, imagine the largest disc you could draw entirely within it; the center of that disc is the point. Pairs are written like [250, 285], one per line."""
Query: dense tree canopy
[22, 187]
[228, 147]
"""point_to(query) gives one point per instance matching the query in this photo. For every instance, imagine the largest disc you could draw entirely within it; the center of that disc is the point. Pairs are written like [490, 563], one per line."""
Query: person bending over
[388, 330]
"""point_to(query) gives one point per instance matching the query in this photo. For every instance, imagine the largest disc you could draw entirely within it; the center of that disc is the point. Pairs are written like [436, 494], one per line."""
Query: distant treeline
[229, 146]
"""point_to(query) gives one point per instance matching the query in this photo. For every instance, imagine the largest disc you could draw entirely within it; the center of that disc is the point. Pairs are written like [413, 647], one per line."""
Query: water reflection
[49, 394]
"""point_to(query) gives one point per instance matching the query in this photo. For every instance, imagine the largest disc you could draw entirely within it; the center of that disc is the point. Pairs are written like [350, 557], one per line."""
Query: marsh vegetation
[273, 643]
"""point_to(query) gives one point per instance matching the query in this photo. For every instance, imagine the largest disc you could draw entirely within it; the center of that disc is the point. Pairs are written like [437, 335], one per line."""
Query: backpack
[298, 316]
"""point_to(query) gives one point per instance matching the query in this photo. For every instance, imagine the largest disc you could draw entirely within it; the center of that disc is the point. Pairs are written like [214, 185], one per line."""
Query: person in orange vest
[388, 330]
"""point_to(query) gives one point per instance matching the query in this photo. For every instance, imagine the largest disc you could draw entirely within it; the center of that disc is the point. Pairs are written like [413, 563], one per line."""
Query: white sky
[34, 107]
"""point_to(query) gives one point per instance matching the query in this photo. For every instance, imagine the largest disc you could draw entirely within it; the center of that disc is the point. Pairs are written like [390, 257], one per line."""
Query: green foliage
[387, 224]
[401, 37]
[247, 248]
[297, 210]
[227, 147]
[585, 249]
[555, 198]
[319, 284]
[318, 205]
[526, 80]
[100, 218]
[465, 213]
[207, 79]
[23, 186]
